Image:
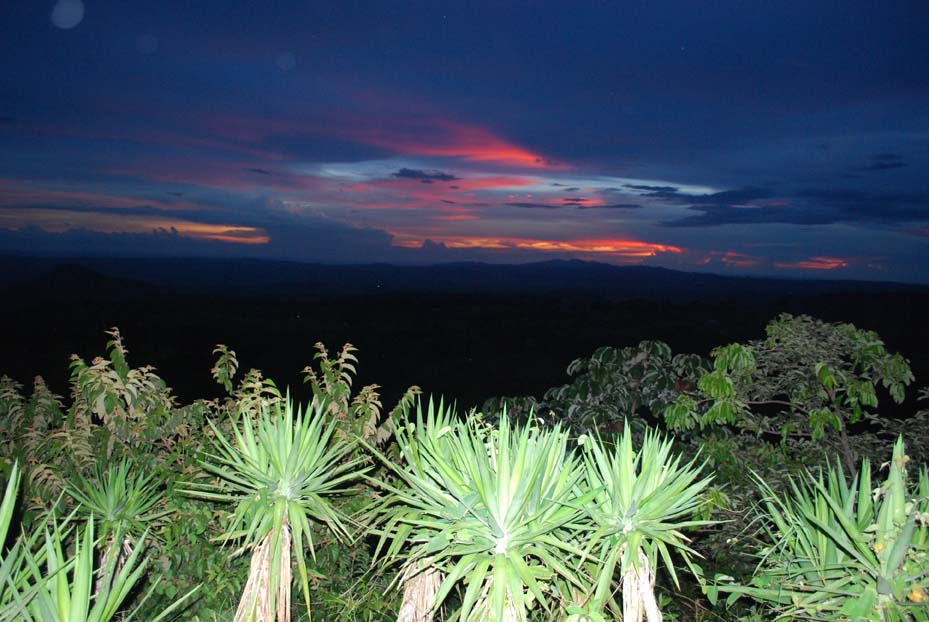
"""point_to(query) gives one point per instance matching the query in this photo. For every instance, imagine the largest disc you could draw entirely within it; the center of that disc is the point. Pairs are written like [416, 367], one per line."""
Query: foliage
[806, 378]
[124, 420]
[117, 455]
[12, 560]
[360, 416]
[119, 450]
[117, 413]
[836, 550]
[337, 568]
[761, 405]
[25, 423]
[128, 402]
[345, 586]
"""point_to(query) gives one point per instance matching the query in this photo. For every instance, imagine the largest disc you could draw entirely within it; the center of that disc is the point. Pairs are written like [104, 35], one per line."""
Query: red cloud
[426, 136]
[438, 137]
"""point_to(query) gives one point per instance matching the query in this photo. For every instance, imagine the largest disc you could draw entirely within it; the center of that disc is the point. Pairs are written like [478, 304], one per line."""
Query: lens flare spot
[286, 61]
[67, 14]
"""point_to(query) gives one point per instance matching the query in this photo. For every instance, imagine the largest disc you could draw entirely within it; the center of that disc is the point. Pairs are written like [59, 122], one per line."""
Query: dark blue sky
[787, 138]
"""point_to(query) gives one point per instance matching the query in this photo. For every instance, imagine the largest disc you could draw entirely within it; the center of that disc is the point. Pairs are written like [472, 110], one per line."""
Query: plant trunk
[639, 593]
[122, 554]
[846, 447]
[420, 586]
[256, 603]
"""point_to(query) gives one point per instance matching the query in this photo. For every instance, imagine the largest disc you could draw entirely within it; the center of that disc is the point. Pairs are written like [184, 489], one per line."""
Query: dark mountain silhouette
[236, 276]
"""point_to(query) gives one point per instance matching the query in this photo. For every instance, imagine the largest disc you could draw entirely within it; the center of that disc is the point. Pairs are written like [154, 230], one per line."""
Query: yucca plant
[842, 551]
[61, 589]
[11, 560]
[490, 511]
[282, 469]
[39, 583]
[122, 500]
[642, 503]
[121, 497]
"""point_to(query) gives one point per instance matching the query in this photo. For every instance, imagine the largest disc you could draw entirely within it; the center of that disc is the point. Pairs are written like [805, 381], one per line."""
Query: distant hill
[241, 276]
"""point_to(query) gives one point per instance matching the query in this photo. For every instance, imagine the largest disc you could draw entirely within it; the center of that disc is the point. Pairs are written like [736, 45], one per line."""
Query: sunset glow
[52, 221]
[620, 248]
[499, 135]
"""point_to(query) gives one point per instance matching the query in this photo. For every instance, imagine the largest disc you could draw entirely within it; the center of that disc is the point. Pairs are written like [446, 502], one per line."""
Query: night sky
[750, 137]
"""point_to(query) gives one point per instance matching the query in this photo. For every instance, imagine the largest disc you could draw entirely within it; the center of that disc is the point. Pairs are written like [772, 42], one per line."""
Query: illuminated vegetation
[784, 493]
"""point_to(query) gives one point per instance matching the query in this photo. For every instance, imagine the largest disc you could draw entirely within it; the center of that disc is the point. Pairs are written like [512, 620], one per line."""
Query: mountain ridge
[232, 276]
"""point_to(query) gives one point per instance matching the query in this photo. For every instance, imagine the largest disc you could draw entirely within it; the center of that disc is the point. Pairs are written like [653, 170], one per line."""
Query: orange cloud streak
[104, 213]
[457, 216]
[234, 239]
[54, 221]
[814, 263]
[619, 247]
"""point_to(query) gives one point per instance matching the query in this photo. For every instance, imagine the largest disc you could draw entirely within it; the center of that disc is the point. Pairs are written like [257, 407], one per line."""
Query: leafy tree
[807, 378]
[117, 413]
[359, 416]
[124, 503]
[612, 386]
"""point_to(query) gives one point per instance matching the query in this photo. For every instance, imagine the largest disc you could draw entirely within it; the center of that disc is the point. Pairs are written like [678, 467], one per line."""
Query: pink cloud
[814, 263]
[732, 258]
[437, 137]
[437, 198]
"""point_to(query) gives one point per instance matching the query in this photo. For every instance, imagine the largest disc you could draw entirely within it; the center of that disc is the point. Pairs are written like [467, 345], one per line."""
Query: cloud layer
[732, 138]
